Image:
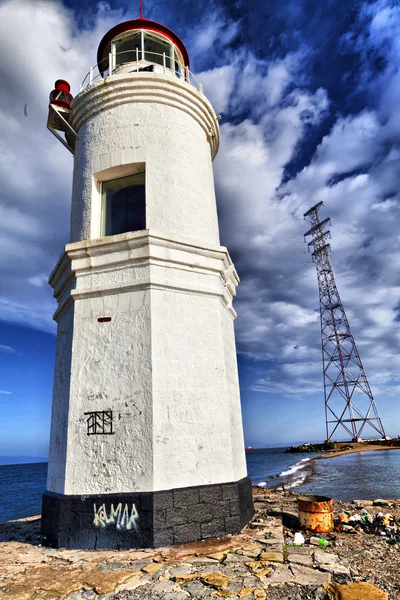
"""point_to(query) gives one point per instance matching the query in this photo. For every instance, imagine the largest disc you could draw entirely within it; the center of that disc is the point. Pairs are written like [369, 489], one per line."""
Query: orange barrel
[315, 513]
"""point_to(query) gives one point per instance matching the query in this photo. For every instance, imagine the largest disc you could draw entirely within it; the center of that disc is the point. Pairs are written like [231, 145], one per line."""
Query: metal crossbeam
[343, 372]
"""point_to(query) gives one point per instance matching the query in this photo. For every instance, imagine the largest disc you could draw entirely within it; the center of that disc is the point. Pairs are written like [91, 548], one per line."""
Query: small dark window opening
[124, 204]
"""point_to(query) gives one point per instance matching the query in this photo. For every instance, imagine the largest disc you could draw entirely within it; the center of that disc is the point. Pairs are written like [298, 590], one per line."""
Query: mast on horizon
[343, 372]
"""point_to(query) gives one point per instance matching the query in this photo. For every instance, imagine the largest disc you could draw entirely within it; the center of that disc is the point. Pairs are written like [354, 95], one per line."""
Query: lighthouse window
[124, 206]
[154, 48]
[125, 48]
[143, 45]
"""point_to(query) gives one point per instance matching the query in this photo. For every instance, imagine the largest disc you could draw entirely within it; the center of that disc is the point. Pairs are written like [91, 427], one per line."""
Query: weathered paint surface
[162, 126]
[145, 318]
[165, 365]
[316, 513]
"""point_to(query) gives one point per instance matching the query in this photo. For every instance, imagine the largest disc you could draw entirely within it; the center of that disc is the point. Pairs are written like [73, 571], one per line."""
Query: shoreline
[301, 473]
[368, 448]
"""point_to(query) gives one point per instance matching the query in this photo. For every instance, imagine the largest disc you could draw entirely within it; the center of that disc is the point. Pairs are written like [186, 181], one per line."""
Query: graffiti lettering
[119, 516]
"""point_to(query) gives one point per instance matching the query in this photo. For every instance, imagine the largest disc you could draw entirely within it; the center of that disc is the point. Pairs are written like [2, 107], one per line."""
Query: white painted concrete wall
[162, 124]
[160, 365]
[61, 402]
[166, 363]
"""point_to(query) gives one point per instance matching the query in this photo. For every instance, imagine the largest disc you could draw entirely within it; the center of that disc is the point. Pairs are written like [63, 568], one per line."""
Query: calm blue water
[21, 489]
[364, 475]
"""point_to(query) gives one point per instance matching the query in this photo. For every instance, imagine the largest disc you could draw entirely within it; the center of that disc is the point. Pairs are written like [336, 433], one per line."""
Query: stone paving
[254, 565]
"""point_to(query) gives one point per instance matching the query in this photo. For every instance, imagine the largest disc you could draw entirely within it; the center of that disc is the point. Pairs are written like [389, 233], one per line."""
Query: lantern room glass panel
[123, 205]
[154, 48]
[125, 48]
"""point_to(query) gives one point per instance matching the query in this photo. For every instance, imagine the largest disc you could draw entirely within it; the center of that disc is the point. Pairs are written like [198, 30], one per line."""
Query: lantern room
[142, 41]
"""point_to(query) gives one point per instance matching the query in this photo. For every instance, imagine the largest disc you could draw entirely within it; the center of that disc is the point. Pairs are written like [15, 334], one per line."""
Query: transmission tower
[344, 375]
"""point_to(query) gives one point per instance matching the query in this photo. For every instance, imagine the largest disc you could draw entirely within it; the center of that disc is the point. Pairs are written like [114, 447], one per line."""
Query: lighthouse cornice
[142, 260]
[147, 88]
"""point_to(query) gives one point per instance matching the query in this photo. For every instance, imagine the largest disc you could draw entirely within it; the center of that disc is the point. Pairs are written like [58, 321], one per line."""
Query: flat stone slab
[236, 558]
[281, 574]
[301, 559]
[336, 569]
[271, 541]
[298, 574]
[380, 502]
[299, 550]
[305, 576]
[272, 557]
[325, 558]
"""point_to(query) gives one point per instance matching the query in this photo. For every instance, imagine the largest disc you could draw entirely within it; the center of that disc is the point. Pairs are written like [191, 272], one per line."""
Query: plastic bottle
[316, 541]
[324, 542]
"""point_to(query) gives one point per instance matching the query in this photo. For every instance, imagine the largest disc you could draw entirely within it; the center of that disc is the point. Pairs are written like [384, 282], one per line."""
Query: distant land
[285, 444]
[21, 460]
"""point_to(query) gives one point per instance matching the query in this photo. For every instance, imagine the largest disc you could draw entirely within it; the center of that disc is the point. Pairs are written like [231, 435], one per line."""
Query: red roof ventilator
[59, 114]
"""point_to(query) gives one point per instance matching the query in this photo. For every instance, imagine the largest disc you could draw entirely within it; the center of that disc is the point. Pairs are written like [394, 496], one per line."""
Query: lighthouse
[146, 444]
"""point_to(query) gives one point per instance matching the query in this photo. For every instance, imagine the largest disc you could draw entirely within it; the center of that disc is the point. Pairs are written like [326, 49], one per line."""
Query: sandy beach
[356, 447]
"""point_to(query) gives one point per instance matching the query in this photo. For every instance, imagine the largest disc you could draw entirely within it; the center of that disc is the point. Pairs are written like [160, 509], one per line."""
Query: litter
[384, 525]
[316, 541]
[298, 539]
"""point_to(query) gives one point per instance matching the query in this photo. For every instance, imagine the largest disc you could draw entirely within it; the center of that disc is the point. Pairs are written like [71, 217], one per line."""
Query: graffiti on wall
[99, 422]
[121, 516]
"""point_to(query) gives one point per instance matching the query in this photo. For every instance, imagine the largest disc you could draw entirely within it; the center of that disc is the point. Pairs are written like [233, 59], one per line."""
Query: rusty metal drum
[315, 513]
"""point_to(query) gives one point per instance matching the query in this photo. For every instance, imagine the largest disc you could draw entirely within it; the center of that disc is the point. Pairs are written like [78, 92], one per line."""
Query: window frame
[103, 201]
[120, 38]
[172, 56]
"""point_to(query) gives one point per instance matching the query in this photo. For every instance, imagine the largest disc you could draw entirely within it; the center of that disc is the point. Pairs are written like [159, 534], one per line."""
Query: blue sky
[309, 97]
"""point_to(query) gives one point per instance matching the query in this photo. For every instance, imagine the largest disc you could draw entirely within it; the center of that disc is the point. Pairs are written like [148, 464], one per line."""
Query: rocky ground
[258, 564]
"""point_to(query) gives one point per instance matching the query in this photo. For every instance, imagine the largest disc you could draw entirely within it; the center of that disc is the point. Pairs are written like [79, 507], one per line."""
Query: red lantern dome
[148, 38]
[61, 96]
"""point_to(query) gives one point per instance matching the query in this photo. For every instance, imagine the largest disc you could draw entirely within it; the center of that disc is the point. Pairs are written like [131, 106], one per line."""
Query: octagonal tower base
[146, 443]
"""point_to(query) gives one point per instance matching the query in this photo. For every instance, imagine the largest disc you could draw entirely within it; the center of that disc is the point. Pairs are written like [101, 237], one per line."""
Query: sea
[362, 475]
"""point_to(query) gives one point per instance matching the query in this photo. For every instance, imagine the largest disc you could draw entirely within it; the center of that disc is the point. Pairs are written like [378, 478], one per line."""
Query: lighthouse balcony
[136, 61]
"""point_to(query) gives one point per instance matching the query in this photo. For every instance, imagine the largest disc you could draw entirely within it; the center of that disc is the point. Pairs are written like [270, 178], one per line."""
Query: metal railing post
[137, 59]
[110, 65]
[187, 74]
[91, 76]
[163, 61]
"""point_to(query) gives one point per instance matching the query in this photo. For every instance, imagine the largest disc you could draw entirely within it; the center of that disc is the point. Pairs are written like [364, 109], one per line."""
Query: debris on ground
[272, 559]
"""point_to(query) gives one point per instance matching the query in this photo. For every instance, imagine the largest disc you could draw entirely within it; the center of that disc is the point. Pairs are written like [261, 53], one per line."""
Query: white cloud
[218, 86]
[5, 392]
[213, 32]
[7, 349]
[35, 170]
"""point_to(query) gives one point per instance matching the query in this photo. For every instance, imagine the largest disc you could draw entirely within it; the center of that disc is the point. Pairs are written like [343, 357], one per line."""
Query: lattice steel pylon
[344, 375]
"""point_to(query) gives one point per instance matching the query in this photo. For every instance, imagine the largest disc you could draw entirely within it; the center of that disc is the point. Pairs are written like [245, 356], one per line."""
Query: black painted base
[146, 519]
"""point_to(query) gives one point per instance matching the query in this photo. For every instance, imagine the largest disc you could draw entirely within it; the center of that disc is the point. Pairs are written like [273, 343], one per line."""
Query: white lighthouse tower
[146, 443]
